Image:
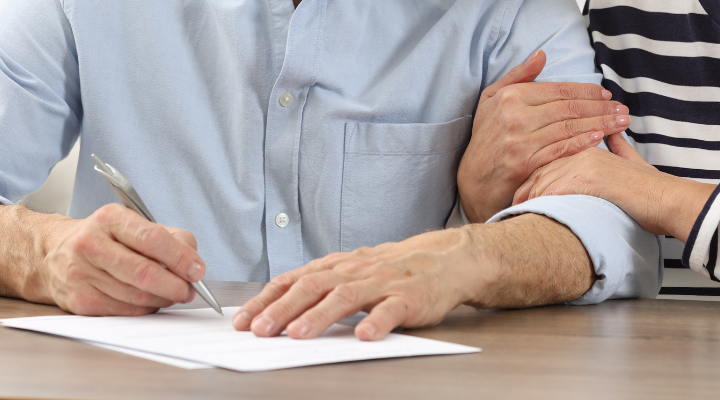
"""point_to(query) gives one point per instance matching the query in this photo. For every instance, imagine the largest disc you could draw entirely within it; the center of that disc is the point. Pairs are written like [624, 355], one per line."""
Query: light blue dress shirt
[278, 135]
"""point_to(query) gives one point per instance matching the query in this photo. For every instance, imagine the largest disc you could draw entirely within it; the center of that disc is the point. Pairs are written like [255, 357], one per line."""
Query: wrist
[478, 275]
[481, 201]
[29, 236]
[682, 202]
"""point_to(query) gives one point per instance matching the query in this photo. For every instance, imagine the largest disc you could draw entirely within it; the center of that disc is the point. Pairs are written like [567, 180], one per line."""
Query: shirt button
[282, 220]
[286, 100]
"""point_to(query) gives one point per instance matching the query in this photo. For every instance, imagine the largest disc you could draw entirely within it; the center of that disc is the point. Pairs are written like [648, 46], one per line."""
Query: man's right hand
[110, 264]
[521, 125]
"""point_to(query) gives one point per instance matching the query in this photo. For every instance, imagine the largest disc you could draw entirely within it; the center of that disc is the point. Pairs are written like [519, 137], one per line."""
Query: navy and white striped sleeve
[701, 250]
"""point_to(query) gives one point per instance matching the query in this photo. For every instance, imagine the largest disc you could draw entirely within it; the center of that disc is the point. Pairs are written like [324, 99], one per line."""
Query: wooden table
[622, 349]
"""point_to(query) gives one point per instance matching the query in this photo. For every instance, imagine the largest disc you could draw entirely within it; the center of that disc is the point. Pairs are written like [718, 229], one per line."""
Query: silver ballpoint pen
[125, 191]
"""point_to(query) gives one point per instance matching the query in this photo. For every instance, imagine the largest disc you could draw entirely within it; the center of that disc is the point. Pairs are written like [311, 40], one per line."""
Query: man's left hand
[409, 284]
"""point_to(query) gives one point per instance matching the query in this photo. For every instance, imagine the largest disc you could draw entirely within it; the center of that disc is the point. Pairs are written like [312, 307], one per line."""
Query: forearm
[536, 261]
[680, 205]
[24, 242]
[661, 203]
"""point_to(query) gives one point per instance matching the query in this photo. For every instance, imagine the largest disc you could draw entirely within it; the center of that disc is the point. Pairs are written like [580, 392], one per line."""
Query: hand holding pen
[126, 192]
[109, 263]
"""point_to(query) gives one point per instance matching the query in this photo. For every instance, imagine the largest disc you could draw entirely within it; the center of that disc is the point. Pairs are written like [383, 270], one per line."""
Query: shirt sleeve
[701, 250]
[626, 258]
[40, 107]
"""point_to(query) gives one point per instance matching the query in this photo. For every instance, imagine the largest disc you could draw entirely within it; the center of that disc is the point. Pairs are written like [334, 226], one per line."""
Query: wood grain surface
[621, 349]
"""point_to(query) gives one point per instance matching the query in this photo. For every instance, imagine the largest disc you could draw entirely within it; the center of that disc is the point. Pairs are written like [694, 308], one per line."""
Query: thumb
[525, 72]
[620, 147]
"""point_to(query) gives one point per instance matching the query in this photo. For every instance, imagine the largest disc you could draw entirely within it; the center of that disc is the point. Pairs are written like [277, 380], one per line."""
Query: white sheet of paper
[175, 362]
[205, 337]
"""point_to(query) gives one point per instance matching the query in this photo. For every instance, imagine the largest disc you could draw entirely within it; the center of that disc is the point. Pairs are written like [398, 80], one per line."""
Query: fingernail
[622, 120]
[190, 297]
[596, 136]
[195, 272]
[263, 325]
[606, 94]
[242, 319]
[370, 330]
[300, 326]
[621, 109]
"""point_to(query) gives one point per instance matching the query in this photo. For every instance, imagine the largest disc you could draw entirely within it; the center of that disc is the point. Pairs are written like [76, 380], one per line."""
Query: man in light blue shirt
[279, 135]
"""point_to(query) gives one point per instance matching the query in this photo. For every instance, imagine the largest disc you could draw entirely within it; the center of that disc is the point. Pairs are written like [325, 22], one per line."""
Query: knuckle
[346, 294]
[574, 109]
[84, 242]
[332, 257]
[515, 144]
[353, 267]
[108, 213]
[186, 237]
[572, 127]
[394, 310]
[151, 235]
[282, 309]
[319, 316]
[362, 252]
[535, 192]
[280, 283]
[593, 91]
[576, 146]
[138, 297]
[81, 304]
[552, 191]
[311, 284]
[145, 274]
[183, 257]
[565, 91]
[559, 150]
[507, 95]
[76, 273]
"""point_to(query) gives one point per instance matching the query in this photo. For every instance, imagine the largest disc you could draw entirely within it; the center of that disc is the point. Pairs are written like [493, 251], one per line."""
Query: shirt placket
[283, 134]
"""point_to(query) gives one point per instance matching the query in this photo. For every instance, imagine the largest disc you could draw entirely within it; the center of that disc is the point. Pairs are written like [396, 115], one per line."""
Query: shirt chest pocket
[399, 180]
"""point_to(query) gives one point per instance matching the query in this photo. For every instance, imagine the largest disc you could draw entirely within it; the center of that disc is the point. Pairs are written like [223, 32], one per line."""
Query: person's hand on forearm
[107, 264]
[417, 282]
[661, 203]
[522, 125]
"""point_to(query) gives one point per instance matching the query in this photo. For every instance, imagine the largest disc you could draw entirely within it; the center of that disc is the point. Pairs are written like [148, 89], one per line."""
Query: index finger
[620, 147]
[152, 241]
[539, 93]
[278, 286]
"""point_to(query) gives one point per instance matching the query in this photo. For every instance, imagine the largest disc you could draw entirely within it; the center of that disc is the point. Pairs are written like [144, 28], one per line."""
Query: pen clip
[122, 187]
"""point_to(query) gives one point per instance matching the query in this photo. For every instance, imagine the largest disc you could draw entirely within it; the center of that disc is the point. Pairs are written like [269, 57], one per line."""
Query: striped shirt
[661, 58]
